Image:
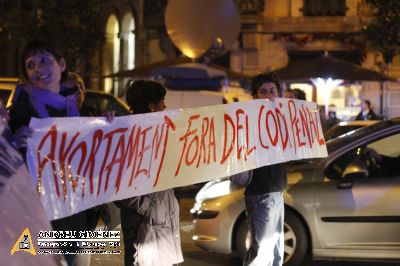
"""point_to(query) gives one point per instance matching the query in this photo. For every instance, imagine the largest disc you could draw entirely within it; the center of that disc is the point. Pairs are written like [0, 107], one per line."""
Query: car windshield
[97, 104]
[337, 143]
[340, 130]
[5, 95]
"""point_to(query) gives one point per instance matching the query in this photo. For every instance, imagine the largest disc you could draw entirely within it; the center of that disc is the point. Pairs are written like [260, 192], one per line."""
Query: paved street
[197, 257]
[194, 256]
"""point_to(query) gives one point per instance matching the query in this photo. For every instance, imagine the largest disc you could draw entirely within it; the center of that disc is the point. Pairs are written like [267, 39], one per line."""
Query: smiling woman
[44, 68]
[43, 65]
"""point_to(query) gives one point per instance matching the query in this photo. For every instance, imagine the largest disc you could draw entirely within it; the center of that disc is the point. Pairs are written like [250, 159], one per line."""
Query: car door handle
[345, 184]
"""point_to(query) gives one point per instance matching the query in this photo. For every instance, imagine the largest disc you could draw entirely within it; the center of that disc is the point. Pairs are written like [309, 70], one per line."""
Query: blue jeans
[265, 214]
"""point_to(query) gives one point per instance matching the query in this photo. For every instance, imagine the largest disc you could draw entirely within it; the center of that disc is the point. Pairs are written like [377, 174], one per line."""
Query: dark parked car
[97, 103]
[7, 87]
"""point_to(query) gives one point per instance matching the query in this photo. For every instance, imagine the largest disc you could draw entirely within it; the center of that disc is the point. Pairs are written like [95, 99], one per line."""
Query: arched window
[111, 53]
[128, 41]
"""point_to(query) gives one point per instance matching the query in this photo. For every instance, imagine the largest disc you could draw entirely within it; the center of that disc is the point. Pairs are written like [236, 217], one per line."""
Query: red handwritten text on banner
[78, 163]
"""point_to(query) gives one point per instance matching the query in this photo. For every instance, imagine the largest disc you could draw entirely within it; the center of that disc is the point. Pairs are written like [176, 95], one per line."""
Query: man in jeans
[264, 195]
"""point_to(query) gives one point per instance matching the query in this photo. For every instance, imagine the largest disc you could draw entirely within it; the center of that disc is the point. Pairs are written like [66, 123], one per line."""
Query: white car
[344, 206]
[346, 127]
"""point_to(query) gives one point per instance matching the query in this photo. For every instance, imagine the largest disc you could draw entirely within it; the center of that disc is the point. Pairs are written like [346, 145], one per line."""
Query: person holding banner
[264, 195]
[289, 93]
[299, 94]
[44, 69]
[150, 223]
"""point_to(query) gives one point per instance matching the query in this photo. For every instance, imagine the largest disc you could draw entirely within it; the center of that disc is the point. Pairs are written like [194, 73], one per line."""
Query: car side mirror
[356, 169]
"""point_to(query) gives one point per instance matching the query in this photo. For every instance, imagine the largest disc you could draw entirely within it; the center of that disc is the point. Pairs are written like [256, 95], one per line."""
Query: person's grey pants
[265, 213]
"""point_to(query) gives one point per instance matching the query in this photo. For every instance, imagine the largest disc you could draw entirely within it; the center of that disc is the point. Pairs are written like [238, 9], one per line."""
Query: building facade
[273, 32]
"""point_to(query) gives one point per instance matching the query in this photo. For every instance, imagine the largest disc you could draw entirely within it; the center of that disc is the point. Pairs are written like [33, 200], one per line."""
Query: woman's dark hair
[258, 80]
[143, 92]
[39, 46]
[289, 90]
[299, 94]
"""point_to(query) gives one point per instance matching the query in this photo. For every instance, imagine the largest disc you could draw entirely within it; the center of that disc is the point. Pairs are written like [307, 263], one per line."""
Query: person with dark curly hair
[264, 195]
[299, 94]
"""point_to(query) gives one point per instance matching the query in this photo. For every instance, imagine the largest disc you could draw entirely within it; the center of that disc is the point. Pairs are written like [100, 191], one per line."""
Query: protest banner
[82, 162]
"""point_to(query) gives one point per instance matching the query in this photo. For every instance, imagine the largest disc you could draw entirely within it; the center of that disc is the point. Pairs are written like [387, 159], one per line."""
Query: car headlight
[215, 189]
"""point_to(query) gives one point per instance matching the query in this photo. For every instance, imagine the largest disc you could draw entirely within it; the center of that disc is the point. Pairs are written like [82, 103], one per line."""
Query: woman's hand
[75, 80]
[110, 116]
[21, 136]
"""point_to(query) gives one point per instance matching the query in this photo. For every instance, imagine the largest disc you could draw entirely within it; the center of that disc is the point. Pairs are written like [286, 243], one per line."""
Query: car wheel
[243, 239]
[296, 240]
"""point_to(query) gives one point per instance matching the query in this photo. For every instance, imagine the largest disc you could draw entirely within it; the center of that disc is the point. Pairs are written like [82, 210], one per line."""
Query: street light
[326, 86]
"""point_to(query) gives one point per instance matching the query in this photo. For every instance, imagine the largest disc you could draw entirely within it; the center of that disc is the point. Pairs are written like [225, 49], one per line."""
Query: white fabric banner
[81, 162]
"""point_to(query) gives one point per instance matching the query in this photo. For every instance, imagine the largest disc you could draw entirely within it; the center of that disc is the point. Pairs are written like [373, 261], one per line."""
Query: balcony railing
[313, 8]
[250, 7]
